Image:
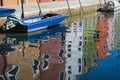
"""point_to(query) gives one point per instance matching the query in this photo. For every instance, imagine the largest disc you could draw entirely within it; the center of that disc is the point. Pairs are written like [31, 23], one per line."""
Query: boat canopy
[6, 11]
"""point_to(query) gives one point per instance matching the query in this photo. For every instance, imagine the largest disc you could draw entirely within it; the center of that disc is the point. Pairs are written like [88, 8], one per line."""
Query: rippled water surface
[81, 49]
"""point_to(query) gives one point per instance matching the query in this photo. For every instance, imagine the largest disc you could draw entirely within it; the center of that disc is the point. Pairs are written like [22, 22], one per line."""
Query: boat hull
[41, 24]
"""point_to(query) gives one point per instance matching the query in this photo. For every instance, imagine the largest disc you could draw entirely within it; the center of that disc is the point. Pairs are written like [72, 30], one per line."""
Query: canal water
[87, 48]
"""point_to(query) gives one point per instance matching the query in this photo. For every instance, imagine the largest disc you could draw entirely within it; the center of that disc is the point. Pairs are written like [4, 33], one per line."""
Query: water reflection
[74, 41]
[81, 50]
[89, 44]
[117, 29]
[31, 54]
[52, 57]
[104, 36]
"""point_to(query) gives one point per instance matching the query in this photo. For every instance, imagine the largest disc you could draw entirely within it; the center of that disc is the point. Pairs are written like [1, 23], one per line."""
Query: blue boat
[33, 23]
[41, 22]
[6, 11]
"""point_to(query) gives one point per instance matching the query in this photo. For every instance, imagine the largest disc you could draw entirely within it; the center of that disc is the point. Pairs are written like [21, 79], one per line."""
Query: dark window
[80, 37]
[61, 76]
[79, 60]
[79, 49]
[69, 49]
[80, 43]
[69, 72]
[46, 56]
[79, 68]
[68, 55]
[45, 64]
[70, 41]
[69, 45]
[61, 53]
[69, 67]
[69, 78]
[84, 61]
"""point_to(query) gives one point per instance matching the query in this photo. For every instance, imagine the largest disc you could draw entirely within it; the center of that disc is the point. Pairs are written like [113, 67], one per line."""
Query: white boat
[110, 6]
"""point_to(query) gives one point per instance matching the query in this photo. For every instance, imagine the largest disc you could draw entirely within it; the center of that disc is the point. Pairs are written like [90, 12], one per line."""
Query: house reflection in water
[74, 50]
[105, 34]
[101, 35]
[111, 32]
[52, 58]
[20, 62]
[117, 30]
[55, 54]
[107, 68]
[89, 44]
[36, 59]
[4, 48]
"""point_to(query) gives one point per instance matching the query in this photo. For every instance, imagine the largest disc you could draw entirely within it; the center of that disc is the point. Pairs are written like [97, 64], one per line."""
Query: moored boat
[110, 6]
[33, 23]
[41, 21]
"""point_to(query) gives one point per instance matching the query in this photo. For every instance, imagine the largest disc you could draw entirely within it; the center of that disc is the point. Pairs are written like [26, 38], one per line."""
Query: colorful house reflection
[21, 61]
[33, 57]
[74, 41]
[52, 58]
[101, 35]
[117, 30]
[89, 44]
[111, 32]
